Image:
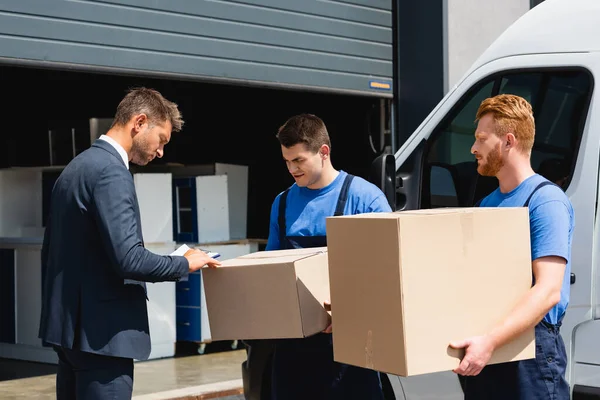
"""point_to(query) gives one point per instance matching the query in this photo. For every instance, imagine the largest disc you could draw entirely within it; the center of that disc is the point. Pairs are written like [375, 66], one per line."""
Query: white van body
[551, 56]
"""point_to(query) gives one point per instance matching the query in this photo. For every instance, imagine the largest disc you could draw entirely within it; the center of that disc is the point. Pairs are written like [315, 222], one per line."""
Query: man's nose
[160, 153]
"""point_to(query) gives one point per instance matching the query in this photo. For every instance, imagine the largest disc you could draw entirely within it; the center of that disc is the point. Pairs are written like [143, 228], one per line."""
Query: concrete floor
[187, 377]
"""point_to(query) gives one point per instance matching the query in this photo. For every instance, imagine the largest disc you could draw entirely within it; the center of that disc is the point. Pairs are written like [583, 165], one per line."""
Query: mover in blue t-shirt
[304, 368]
[306, 209]
[503, 143]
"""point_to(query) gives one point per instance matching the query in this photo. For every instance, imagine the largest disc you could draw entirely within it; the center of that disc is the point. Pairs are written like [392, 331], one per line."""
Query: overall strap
[281, 216]
[339, 210]
[541, 185]
[341, 203]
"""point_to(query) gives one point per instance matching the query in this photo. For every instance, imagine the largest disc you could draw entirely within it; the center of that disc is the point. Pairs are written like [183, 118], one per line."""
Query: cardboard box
[405, 284]
[268, 295]
[227, 251]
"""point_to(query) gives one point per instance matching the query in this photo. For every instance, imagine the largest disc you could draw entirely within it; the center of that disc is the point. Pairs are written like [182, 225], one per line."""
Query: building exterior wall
[471, 26]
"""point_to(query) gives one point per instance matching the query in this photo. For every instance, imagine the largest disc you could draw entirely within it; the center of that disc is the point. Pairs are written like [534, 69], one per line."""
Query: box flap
[377, 215]
[272, 257]
[313, 290]
[454, 210]
[248, 262]
[297, 253]
[423, 212]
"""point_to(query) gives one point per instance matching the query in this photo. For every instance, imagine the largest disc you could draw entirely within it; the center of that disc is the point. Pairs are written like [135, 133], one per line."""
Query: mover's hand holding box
[429, 277]
[268, 295]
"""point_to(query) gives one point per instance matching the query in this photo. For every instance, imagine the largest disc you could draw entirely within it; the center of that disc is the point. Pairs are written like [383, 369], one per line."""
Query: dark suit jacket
[94, 262]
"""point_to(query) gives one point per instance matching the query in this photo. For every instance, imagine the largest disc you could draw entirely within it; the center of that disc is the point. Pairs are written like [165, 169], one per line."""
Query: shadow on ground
[16, 369]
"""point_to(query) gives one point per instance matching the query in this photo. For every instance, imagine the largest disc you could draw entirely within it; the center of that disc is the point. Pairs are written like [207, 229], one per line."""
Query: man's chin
[139, 163]
[301, 182]
[485, 172]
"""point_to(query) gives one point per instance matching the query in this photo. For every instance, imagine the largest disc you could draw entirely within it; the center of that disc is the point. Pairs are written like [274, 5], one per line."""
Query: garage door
[335, 45]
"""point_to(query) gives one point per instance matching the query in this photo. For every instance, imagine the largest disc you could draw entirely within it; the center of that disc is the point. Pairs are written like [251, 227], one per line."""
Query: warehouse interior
[223, 123]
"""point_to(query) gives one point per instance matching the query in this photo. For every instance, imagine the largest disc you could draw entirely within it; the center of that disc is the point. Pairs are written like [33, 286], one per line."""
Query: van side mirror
[383, 175]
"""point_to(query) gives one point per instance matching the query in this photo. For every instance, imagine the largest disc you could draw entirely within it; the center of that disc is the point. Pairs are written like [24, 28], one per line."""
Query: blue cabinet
[188, 324]
[188, 300]
[185, 214]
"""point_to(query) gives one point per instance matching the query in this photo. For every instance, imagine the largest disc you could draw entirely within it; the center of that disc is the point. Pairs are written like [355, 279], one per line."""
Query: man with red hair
[503, 142]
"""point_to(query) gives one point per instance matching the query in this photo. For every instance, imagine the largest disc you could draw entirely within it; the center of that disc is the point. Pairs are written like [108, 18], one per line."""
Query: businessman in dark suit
[95, 264]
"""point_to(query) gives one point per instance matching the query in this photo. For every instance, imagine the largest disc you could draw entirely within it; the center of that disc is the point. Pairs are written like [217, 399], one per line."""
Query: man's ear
[139, 121]
[324, 151]
[511, 141]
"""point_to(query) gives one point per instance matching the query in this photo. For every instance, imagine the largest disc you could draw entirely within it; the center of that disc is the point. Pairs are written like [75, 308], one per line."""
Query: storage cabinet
[189, 327]
[201, 209]
[184, 178]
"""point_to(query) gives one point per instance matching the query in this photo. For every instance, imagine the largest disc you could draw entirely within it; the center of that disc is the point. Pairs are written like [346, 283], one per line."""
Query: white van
[551, 57]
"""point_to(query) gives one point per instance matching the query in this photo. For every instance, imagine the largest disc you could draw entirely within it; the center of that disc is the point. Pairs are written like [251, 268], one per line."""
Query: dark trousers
[304, 369]
[88, 376]
[256, 370]
[541, 378]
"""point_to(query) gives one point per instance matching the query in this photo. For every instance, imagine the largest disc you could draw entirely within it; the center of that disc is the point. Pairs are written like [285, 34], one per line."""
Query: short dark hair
[304, 128]
[150, 102]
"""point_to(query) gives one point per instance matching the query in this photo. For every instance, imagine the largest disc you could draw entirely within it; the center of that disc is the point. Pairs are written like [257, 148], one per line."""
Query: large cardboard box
[405, 284]
[268, 295]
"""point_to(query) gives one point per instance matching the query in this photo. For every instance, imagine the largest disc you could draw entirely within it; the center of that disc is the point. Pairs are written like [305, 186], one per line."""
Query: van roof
[554, 26]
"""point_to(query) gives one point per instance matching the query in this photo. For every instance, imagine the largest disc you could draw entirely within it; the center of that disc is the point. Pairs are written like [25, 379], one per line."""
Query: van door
[437, 156]
[585, 362]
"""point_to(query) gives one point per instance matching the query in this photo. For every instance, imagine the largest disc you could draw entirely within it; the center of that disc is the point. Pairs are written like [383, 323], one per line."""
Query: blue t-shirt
[307, 209]
[551, 222]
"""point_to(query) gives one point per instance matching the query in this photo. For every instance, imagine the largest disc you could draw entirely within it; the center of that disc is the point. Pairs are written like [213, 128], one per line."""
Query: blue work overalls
[541, 378]
[304, 369]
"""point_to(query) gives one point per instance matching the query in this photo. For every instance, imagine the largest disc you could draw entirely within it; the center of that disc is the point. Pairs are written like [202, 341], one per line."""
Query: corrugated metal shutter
[340, 45]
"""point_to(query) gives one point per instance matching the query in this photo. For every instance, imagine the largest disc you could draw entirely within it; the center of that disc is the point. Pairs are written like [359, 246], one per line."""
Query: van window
[560, 100]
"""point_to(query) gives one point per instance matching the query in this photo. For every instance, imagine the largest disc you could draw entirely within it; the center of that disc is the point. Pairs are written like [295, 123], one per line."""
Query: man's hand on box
[478, 351]
[327, 306]
[198, 259]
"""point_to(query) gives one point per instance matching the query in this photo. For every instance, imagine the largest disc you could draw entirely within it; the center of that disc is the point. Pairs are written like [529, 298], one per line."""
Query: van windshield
[560, 101]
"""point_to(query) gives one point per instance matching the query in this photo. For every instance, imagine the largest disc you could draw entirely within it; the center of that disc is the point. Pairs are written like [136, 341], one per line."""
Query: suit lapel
[104, 145]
